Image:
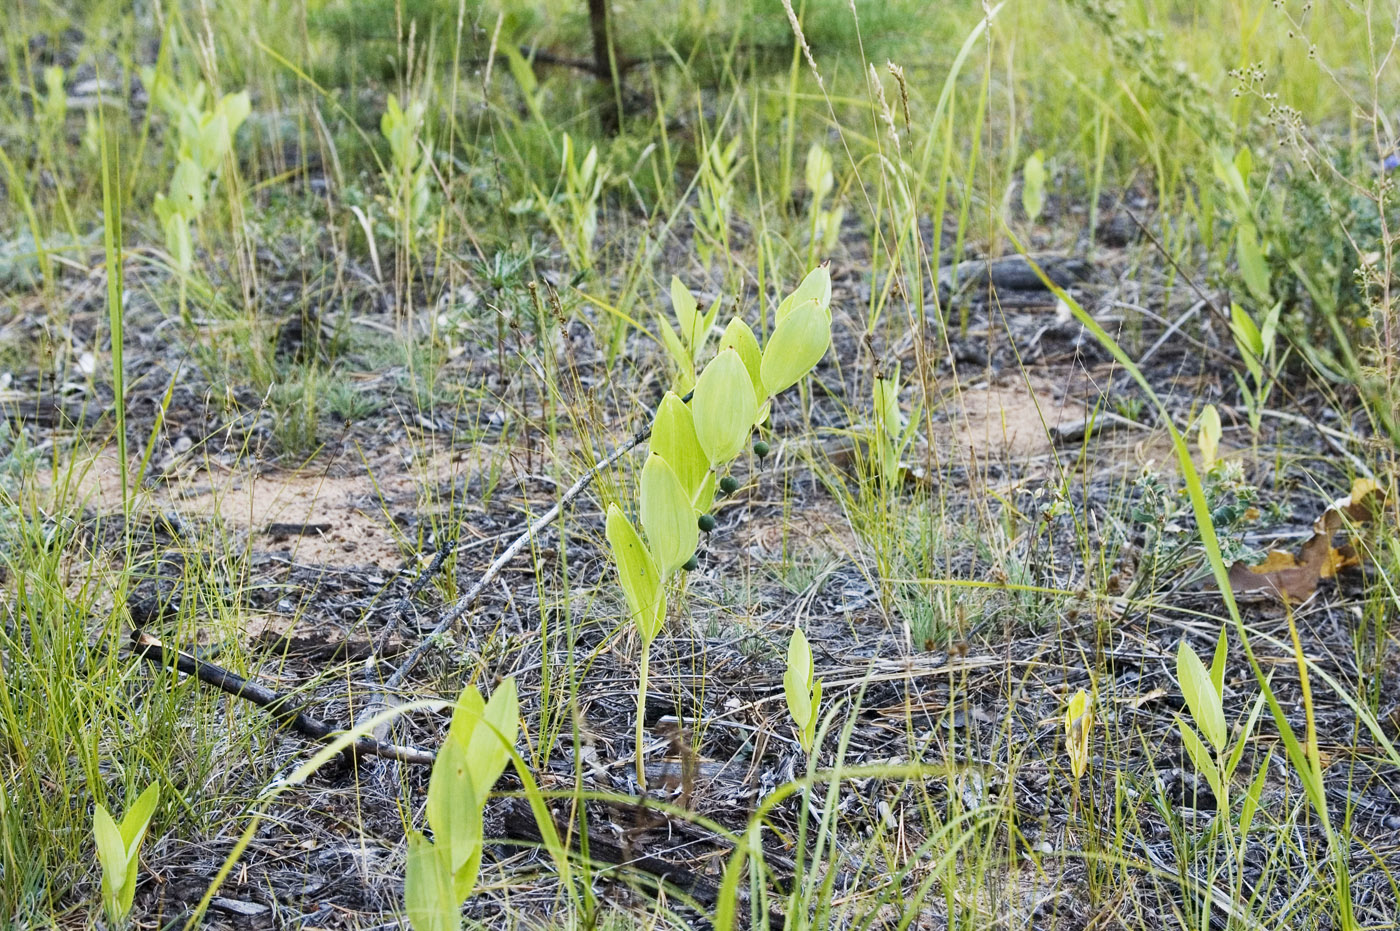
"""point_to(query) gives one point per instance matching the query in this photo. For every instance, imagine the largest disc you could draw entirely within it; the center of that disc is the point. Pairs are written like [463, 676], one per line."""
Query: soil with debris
[1038, 439]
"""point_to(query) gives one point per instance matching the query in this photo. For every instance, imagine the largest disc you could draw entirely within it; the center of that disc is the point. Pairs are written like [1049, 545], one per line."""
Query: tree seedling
[119, 851]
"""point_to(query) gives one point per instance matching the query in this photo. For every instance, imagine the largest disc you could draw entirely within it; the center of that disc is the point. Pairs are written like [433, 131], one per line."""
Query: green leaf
[797, 680]
[819, 174]
[1217, 663]
[236, 108]
[111, 854]
[674, 345]
[636, 570]
[138, 817]
[810, 733]
[1200, 695]
[1246, 334]
[428, 894]
[815, 287]
[1208, 438]
[668, 516]
[723, 407]
[739, 337]
[1033, 185]
[1201, 759]
[1238, 752]
[454, 810]
[1250, 805]
[499, 720]
[688, 318]
[673, 439]
[795, 347]
[133, 831]
[887, 411]
[1253, 268]
[706, 495]
[187, 189]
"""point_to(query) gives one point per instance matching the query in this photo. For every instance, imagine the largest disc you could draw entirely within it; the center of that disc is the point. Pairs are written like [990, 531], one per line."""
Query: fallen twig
[464, 603]
[283, 707]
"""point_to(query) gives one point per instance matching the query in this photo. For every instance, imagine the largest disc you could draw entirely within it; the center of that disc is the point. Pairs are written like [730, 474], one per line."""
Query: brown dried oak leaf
[1293, 579]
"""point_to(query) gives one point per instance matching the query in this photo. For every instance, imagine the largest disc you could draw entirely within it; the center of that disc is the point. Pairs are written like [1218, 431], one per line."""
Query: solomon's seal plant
[119, 851]
[693, 444]
[441, 873]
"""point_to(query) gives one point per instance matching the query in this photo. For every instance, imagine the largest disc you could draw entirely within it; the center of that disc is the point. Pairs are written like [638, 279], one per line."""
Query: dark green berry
[691, 564]
[706, 522]
[760, 449]
[729, 484]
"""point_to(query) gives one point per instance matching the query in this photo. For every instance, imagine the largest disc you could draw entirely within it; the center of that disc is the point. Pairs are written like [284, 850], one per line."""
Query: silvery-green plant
[583, 190]
[411, 154]
[719, 168]
[892, 433]
[693, 444]
[802, 689]
[825, 224]
[204, 131]
[119, 851]
[441, 873]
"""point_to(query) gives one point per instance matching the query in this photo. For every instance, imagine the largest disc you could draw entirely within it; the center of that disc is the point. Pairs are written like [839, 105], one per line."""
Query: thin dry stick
[463, 604]
[284, 708]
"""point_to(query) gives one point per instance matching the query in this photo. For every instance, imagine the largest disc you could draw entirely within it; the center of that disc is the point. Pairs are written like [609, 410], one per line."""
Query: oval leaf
[724, 407]
[795, 347]
[428, 896]
[487, 755]
[667, 515]
[673, 439]
[739, 337]
[1200, 695]
[797, 680]
[687, 313]
[636, 570]
[815, 287]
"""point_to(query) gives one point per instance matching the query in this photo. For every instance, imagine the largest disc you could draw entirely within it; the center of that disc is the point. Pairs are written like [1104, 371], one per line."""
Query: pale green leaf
[429, 897]
[1201, 759]
[795, 347]
[453, 806]
[1250, 805]
[797, 679]
[1253, 267]
[815, 287]
[111, 854]
[673, 439]
[1208, 436]
[138, 817]
[676, 347]
[636, 570]
[668, 516]
[739, 337]
[1200, 695]
[1033, 185]
[487, 755]
[723, 407]
[687, 312]
[706, 495]
[187, 189]
[1222, 647]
